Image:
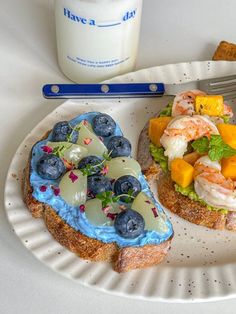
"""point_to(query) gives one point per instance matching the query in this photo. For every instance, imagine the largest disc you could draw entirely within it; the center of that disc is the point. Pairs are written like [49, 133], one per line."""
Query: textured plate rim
[127, 77]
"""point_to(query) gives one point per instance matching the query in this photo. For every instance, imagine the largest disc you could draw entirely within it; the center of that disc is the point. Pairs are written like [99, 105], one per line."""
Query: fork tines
[225, 86]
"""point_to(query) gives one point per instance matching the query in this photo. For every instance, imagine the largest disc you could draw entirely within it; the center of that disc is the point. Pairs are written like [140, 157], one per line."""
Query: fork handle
[103, 90]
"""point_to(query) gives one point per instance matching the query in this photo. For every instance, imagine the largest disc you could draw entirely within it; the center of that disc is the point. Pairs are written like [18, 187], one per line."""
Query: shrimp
[228, 111]
[184, 104]
[182, 130]
[211, 186]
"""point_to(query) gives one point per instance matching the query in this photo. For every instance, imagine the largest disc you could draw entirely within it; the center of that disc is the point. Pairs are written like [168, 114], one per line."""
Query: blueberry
[63, 132]
[50, 167]
[98, 184]
[126, 183]
[103, 125]
[119, 146]
[93, 161]
[129, 224]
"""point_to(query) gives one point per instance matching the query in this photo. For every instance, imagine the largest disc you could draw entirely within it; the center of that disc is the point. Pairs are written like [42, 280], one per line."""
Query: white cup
[97, 39]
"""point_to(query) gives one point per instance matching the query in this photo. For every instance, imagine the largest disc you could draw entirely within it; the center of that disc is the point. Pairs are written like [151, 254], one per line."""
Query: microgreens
[107, 156]
[69, 136]
[89, 170]
[109, 197]
[129, 196]
[60, 150]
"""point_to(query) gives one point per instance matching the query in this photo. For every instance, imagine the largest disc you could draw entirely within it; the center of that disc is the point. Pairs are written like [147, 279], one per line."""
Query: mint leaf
[218, 149]
[229, 151]
[216, 153]
[216, 140]
[201, 145]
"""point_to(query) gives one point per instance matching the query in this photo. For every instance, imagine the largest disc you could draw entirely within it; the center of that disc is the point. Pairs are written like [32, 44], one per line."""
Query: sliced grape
[73, 187]
[87, 124]
[90, 141]
[98, 216]
[154, 220]
[121, 166]
[70, 152]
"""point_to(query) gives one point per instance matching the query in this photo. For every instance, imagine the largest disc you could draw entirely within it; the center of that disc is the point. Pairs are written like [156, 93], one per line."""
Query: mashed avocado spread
[158, 155]
[190, 193]
[158, 152]
[166, 112]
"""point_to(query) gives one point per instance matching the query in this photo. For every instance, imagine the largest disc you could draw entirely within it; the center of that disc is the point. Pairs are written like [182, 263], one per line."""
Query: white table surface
[172, 31]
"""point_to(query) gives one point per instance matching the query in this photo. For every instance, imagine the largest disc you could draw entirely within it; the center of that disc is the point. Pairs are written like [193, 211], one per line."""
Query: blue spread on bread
[47, 191]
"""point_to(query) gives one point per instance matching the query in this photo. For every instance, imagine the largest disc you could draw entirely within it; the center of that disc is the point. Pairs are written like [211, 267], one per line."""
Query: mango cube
[228, 133]
[157, 127]
[181, 172]
[228, 167]
[211, 105]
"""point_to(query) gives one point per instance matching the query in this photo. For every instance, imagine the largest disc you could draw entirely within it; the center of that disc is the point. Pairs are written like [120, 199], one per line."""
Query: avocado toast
[188, 150]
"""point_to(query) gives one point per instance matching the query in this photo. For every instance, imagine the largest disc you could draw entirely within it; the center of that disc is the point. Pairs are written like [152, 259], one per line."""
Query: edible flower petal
[73, 177]
[106, 209]
[111, 216]
[82, 208]
[154, 210]
[87, 140]
[69, 165]
[43, 188]
[56, 190]
[47, 149]
[104, 170]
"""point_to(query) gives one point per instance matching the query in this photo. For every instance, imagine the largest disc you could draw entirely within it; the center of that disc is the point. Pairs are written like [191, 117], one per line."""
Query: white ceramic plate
[201, 265]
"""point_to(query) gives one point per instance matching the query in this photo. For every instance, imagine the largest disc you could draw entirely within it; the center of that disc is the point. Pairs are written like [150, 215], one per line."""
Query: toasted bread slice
[179, 204]
[225, 51]
[123, 259]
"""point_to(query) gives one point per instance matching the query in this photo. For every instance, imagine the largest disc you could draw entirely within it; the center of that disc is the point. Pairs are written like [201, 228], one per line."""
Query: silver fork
[225, 86]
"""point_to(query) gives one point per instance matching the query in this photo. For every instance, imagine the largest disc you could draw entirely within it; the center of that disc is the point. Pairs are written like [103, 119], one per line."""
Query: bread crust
[225, 51]
[123, 259]
[190, 210]
[179, 204]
